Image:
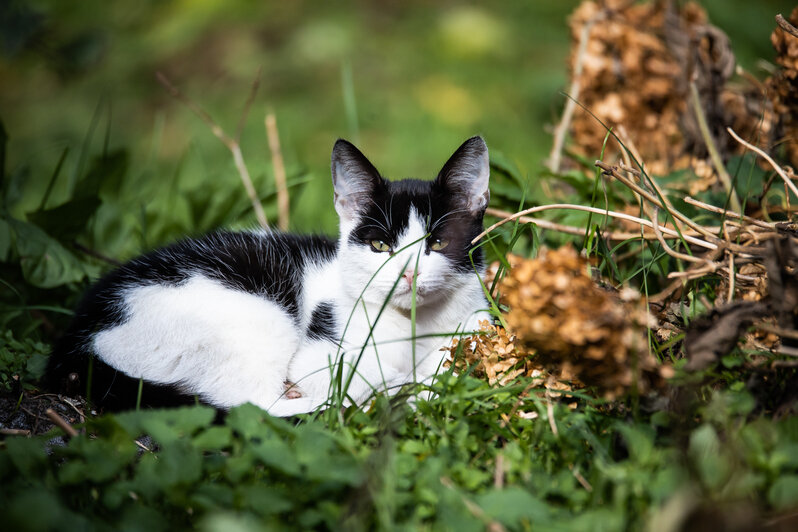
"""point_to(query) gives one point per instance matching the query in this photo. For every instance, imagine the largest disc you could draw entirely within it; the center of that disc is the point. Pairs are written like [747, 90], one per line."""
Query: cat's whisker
[384, 214]
[442, 218]
[378, 223]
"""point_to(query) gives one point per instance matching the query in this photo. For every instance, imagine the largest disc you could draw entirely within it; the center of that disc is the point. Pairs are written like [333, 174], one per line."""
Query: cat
[232, 317]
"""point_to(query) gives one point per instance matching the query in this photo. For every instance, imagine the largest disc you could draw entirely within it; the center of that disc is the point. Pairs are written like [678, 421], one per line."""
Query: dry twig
[283, 204]
[570, 105]
[786, 26]
[709, 142]
[15, 432]
[718, 210]
[614, 214]
[570, 229]
[61, 423]
[779, 170]
[232, 144]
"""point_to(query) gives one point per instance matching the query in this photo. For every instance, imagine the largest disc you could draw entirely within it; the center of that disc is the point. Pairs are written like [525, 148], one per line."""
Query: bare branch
[252, 93]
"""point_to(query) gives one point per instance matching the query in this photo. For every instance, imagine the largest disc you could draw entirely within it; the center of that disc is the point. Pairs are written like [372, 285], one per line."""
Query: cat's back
[251, 267]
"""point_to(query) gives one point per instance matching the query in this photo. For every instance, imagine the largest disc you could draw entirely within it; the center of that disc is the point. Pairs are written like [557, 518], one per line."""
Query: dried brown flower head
[577, 329]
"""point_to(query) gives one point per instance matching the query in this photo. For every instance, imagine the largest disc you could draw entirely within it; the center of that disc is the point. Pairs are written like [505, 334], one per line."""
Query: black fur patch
[322, 323]
[386, 217]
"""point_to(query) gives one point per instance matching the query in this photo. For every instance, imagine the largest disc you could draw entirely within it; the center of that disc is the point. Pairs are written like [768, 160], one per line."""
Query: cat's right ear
[354, 179]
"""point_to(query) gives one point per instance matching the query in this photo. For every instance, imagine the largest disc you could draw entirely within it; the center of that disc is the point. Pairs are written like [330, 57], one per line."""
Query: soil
[25, 413]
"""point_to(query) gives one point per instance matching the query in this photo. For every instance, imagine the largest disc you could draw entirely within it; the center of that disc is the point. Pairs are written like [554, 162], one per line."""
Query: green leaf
[783, 494]
[512, 505]
[45, 262]
[27, 455]
[323, 460]
[177, 465]
[277, 454]
[248, 420]
[705, 453]
[167, 425]
[639, 441]
[68, 220]
[95, 460]
[263, 500]
[214, 438]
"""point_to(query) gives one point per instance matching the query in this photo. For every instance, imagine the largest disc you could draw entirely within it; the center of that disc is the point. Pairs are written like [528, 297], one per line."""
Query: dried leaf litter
[564, 332]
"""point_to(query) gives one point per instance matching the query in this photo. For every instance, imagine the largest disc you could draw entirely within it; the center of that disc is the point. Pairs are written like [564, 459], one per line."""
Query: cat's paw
[291, 390]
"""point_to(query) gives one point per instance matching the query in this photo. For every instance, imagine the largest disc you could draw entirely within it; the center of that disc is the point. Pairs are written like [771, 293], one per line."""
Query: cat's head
[410, 229]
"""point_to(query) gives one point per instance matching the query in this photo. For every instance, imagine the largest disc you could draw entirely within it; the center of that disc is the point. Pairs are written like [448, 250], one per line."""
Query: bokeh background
[406, 81]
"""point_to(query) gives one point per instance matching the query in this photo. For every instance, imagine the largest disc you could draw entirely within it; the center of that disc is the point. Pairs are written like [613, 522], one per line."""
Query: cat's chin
[404, 300]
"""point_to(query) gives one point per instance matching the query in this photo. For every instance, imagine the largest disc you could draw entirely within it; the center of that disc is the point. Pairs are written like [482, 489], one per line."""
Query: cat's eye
[380, 246]
[438, 244]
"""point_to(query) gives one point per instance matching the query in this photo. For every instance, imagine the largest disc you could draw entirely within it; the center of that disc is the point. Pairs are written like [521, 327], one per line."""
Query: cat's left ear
[466, 175]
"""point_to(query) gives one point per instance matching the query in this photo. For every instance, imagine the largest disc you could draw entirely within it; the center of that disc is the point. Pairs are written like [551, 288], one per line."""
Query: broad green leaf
[214, 438]
[45, 262]
[513, 505]
[27, 455]
[783, 494]
[178, 464]
[169, 424]
[275, 452]
[95, 460]
[705, 453]
[263, 499]
[69, 219]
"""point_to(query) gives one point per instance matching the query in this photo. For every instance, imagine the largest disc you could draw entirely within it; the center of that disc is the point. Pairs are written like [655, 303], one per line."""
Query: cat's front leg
[320, 370]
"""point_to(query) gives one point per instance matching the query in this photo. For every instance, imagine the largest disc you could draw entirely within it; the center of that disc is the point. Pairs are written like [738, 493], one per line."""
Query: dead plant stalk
[709, 142]
[779, 170]
[283, 201]
[570, 105]
[596, 210]
[232, 144]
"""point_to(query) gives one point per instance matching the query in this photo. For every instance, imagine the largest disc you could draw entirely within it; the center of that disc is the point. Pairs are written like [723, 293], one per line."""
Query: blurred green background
[406, 81]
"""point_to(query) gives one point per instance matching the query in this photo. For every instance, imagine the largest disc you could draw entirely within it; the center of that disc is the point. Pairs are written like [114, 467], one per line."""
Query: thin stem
[283, 200]
[614, 214]
[579, 231]
[718, 210]
[567, 115]
[779, 170]
[231, 144]
[717, 162]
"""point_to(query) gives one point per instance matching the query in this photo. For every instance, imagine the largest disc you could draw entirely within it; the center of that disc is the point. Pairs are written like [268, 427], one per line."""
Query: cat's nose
[408, 276]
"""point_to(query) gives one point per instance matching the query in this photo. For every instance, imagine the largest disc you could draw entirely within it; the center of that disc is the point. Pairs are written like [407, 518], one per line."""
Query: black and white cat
[230, 317]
